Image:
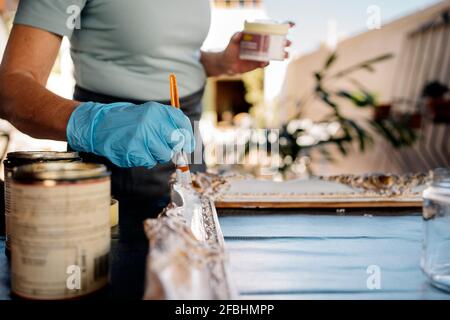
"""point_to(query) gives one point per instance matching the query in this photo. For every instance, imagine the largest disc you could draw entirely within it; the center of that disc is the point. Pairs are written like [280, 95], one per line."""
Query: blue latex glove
[130, 135]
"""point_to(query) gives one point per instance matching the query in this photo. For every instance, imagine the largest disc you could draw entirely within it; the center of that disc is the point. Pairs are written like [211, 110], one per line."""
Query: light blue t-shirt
[128, 48]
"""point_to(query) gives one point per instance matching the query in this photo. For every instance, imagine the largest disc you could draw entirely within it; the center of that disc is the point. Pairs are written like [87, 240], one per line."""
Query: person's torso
[128, 48]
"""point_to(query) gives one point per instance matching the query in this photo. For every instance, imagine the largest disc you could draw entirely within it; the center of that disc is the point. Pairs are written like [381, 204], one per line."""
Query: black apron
[142, 192]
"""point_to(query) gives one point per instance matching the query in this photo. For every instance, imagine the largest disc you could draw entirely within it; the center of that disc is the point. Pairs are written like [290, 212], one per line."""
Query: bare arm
[24, 100]
[228, 62]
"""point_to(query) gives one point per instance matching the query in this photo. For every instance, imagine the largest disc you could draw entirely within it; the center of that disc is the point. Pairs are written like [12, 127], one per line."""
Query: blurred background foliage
[299, 136]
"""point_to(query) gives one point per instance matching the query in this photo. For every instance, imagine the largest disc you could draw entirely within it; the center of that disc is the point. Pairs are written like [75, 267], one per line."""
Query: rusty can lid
[42, 155]
[59, 171]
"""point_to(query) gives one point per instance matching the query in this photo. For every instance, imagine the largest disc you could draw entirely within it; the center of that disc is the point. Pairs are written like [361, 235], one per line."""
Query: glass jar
[436, 226]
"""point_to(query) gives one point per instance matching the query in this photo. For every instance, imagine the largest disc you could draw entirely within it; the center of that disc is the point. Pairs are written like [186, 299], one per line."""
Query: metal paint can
[18, 158]
[60, 217]
[114, 213]
[263, 40]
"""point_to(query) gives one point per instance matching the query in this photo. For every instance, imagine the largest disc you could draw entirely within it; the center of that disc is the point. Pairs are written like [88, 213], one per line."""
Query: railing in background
[424, 58]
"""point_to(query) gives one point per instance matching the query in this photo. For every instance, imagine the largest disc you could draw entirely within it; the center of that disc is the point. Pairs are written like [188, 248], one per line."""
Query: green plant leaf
[329, 102]
[331, 59]
[361, 133]
[362, 65]
[318, 76]
[341, 147]
[326, 154]
[382, 127]
[368, 67]
[406, 134]
[325, 97]
[359, 99]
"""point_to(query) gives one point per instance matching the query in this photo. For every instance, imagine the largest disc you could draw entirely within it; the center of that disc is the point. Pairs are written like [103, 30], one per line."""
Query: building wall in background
[299, 83]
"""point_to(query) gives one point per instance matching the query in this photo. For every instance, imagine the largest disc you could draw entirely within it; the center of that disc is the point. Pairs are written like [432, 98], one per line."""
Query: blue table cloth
[4, 272]
[297, 256]
[292, 256]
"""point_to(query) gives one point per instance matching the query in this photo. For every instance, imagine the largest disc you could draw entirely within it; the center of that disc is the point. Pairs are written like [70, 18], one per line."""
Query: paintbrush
[180, 158]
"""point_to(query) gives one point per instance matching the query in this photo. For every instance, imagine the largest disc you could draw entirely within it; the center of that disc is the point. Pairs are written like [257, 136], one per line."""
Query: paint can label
[7, 206]
[61, 240]
[255, 46]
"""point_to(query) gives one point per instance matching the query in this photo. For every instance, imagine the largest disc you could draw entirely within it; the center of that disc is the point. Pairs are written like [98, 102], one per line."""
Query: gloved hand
[130, 135]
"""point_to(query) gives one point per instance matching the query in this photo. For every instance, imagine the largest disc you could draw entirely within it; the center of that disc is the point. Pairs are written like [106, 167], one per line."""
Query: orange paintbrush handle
[174, 97]
[183, 173]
